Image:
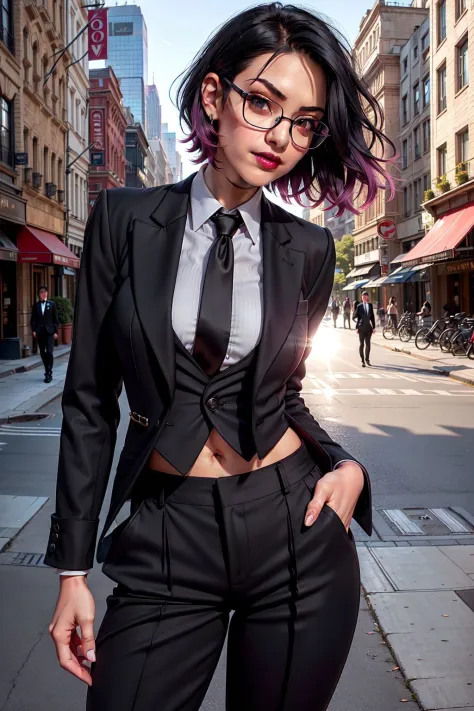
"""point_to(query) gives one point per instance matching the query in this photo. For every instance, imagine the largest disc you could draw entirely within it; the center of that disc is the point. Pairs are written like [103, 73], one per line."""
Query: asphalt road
[414, 432]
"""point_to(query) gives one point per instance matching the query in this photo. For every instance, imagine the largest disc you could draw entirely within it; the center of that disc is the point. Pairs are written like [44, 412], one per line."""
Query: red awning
[441, 241]
[40, 247]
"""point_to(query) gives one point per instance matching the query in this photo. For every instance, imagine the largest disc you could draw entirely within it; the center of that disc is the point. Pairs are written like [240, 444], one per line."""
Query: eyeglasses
[263, 113]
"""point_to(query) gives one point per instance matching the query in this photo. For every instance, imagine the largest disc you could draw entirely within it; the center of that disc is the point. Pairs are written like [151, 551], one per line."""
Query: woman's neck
[227, 190]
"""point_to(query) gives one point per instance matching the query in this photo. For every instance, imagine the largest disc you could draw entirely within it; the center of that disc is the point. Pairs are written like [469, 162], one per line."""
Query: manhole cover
[29, 559]
[427, 522]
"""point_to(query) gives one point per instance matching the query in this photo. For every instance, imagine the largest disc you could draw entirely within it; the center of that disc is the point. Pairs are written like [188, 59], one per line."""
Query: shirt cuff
[71, 572]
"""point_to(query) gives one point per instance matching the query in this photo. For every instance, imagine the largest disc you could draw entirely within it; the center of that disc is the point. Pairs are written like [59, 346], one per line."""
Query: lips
[268, 160]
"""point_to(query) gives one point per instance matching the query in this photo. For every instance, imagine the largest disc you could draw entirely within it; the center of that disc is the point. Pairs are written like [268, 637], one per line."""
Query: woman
[392, 312]
[425, 314]
[239, 499]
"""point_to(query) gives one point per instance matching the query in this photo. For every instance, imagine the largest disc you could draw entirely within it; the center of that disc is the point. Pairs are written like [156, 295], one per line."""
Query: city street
[412, 428]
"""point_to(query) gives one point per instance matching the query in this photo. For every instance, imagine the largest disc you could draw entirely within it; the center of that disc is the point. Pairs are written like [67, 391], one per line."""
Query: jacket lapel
[282, 279]
[156, 248]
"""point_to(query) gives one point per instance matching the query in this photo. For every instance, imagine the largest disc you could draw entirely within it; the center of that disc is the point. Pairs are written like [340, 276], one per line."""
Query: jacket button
[52, 547]
[56, 527]
[212, 404]
[54, 536]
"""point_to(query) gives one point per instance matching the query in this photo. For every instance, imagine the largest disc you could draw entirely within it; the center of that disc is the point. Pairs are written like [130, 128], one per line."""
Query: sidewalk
[423, 599]
[24, 390]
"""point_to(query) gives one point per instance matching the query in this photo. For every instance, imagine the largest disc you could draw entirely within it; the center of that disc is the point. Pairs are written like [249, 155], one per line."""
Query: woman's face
[292, 80]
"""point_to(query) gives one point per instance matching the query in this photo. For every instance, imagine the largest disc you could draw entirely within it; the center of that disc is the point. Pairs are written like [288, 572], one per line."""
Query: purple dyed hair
[344, 166]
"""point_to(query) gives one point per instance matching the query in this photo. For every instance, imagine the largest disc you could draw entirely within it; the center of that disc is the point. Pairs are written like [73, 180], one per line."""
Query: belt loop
[285, 486]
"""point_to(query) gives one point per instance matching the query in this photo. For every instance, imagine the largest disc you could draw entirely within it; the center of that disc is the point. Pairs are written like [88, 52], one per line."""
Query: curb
[30, 366]
[441, 369]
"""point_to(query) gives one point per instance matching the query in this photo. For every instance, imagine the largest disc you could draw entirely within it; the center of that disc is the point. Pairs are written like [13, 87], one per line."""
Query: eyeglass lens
[307, 132]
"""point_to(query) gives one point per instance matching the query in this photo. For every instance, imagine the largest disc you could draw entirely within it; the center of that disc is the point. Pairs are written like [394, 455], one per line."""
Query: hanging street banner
[97, 33]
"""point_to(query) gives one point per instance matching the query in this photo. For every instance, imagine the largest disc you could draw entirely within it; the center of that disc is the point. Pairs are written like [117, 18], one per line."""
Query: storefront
[12, 217]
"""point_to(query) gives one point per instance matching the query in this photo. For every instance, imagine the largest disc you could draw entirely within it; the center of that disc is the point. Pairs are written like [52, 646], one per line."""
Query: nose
[279, 135]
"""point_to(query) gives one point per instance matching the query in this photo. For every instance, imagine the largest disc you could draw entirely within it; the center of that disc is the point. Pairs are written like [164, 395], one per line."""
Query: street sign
[386, 229]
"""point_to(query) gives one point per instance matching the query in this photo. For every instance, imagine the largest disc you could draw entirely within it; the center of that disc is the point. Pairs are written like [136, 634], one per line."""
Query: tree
[344, 261]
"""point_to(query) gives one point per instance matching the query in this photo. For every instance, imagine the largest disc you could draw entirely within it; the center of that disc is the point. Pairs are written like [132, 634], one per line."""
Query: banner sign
[97, 33]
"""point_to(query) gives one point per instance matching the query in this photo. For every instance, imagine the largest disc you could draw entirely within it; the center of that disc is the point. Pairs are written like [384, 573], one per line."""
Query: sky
[177, 30]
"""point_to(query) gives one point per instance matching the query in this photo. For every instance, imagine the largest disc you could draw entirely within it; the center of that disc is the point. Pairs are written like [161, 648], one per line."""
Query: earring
[211, 117]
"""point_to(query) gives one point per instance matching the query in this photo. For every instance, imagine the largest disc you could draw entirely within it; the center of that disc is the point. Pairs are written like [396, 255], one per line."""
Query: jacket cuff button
[56, 527]
[52, 547]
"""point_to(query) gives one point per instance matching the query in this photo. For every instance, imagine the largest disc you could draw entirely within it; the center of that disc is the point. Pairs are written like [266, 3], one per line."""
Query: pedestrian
[346, 311]
[365, 325]
[381, 315]
[335, 310]
[201, 297]
[392, 311]
[44, 325]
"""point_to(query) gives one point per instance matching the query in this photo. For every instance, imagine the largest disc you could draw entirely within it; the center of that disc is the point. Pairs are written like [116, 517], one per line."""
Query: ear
[211, 96]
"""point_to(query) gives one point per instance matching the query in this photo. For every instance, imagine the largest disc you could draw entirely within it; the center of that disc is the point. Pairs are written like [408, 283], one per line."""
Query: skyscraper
[153, 112]
[169, 143]
[128, 55]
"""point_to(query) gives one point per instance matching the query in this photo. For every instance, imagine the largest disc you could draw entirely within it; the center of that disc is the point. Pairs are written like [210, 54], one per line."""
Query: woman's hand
[340, 490]
[75, 607]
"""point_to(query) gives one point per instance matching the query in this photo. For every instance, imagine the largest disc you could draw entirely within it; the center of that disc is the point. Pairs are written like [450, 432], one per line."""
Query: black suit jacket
[123, 333]
[363, 321]
[47, 324]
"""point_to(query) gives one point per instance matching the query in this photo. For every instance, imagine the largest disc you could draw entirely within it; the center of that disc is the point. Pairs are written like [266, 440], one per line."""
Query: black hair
[42, 288]
[347, 158]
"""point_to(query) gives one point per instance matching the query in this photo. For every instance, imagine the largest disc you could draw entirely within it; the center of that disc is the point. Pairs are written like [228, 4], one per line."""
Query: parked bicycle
[450, 331]
[462, 342]
[426, 337]
[390, 331]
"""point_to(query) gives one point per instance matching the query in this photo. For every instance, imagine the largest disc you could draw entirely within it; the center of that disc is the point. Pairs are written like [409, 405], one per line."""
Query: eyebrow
[282, 96]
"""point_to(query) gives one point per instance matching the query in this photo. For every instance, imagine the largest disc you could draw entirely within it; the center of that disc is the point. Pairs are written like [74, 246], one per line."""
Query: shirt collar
[204, 205]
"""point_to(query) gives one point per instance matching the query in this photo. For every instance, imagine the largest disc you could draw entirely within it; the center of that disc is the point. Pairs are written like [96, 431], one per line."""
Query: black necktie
[215, 313]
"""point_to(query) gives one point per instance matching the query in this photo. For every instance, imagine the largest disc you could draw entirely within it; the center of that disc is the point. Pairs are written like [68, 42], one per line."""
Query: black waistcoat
[202, 403]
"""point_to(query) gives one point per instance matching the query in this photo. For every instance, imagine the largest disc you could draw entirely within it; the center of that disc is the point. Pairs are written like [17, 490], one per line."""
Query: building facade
[128, 55]
[136, 151]
[107, 126]
[169, 143]
[153, 113]
[447, 249]
[383, 31]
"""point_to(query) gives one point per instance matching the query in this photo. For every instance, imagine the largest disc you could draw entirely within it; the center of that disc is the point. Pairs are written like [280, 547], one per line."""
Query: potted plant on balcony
[461, 175]
[64, 308]
[443, 184]
[429, 195]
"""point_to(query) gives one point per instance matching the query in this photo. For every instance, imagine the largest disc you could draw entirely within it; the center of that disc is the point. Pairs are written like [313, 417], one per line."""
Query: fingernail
[309, 519]
[79, 651]
[91, 655]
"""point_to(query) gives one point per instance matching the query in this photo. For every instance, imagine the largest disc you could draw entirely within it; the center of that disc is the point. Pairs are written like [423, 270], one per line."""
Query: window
[426, 182]
[442, 159]
[425, 42]
[442, 89]
[460, 8]
[426, 135]
[462, 146]
[404, 153]
[415, 53]
[45, 165]
[35, 155]
[463, 68]
[405, 66]
[405, 109]
[416, 195]
[416, 98]
[406, 201]
[441, 21]
[6, 35]
[416, 140]
[6, 154]
[426, 91]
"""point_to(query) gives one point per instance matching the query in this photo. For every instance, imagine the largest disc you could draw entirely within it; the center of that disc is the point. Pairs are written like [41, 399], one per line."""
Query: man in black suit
[365, 324]
[44, 324]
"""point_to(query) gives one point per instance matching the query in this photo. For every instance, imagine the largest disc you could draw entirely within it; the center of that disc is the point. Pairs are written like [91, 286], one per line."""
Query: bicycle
[462, 343]
[450, 331]
[426, 337]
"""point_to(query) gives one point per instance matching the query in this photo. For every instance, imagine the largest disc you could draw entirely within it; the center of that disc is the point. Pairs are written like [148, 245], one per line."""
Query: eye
[259, 103]
[306, 125]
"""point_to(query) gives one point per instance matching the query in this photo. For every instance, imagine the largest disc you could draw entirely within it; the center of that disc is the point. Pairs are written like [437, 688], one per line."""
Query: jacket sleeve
[89, 404]
[295, 406]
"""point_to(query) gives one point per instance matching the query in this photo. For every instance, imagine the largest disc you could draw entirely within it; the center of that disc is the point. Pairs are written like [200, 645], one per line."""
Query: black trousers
[197, 548]
[364, 339]
[46, 346]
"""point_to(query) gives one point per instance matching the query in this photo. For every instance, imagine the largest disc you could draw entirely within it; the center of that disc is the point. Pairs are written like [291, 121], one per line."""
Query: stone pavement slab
[462, 556]
[15, 512]
[453, 691]
[20, 365]
[404, 612]
[26, 392]
[420, 568]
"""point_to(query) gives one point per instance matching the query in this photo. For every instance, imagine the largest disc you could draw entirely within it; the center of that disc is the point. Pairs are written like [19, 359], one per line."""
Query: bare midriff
[217, 458]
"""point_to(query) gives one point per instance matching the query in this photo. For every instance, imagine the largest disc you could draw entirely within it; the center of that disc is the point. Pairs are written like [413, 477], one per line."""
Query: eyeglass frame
[244, 94]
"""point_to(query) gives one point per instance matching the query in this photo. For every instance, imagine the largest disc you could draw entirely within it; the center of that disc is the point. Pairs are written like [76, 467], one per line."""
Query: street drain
[29, 559]
[26, 417]
[427, 521]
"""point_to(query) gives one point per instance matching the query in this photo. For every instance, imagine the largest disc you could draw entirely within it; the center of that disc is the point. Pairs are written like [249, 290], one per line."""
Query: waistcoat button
[212, 404]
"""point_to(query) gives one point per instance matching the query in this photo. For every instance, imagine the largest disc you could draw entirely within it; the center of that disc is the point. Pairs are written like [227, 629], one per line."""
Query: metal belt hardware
[139, 419]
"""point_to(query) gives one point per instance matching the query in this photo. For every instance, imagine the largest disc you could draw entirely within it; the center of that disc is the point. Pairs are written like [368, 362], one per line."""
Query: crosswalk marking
[386, 392]
[28, 431]
[378, 376]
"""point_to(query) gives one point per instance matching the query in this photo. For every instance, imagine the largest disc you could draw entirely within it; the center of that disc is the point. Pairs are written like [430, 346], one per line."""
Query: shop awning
[363, 271]
[8, 251]
[375, 283]
[40, 247]
[399, 276]
[443, 238]
[355, 284]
